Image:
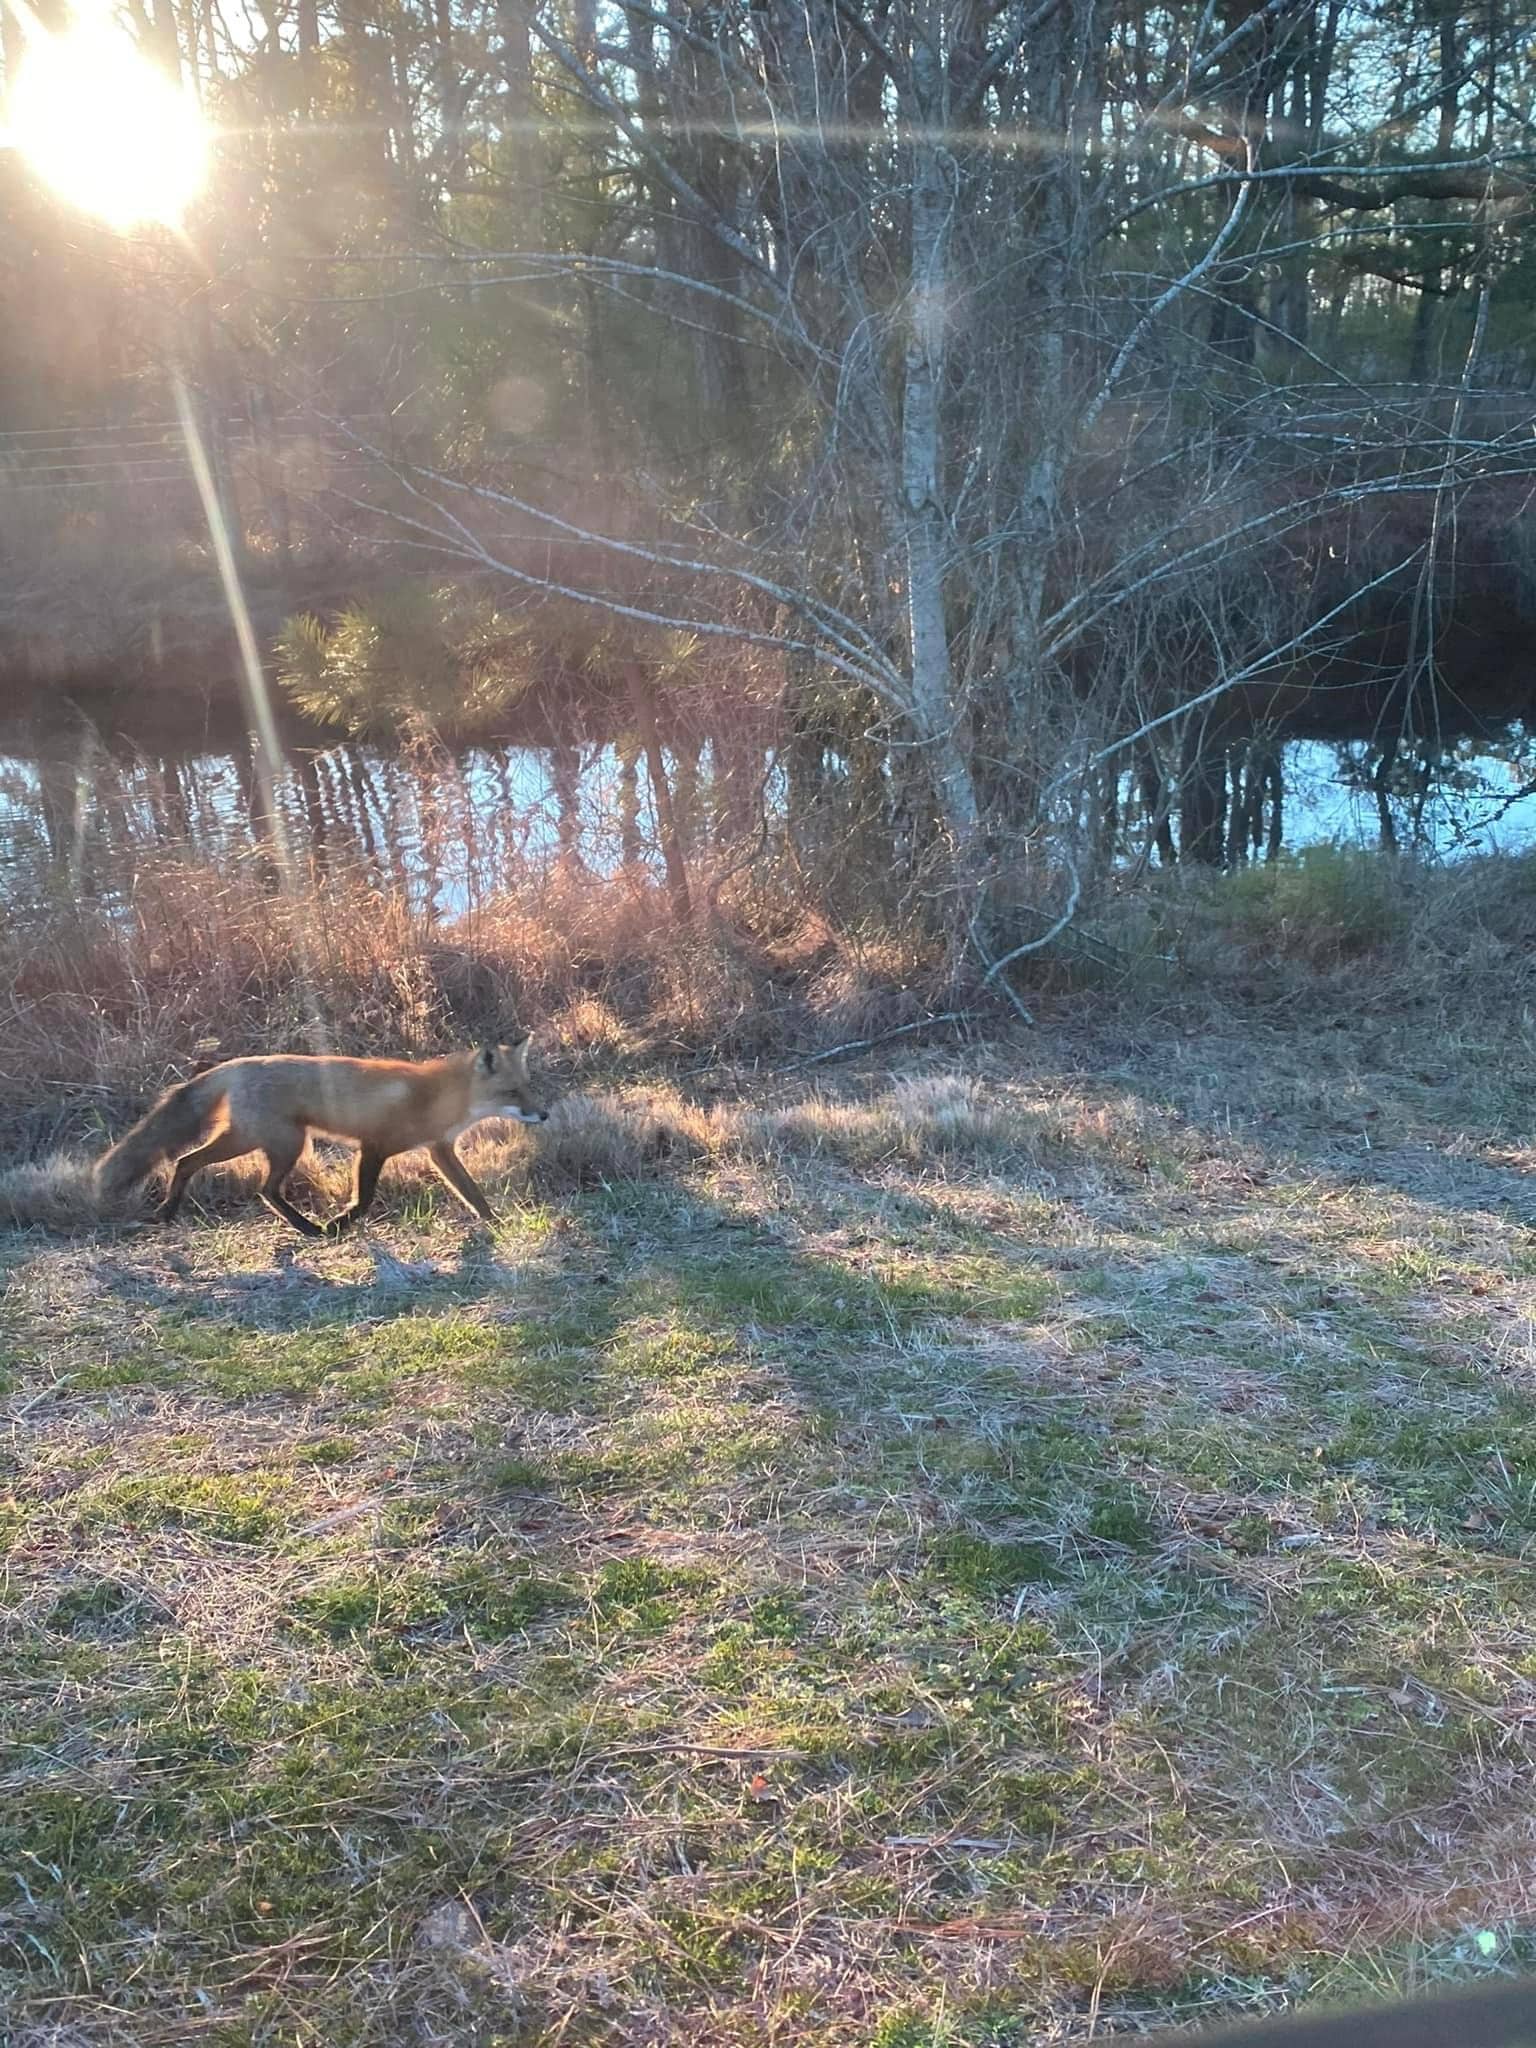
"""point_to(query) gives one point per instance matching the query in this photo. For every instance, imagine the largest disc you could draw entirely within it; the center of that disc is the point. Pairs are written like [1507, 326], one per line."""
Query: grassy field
[1032, 1543]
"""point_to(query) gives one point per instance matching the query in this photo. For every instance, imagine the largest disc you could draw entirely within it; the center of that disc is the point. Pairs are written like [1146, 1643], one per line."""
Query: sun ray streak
[270, 760]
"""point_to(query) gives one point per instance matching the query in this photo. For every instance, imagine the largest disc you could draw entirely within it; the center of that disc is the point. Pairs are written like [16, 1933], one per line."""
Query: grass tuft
[56, 1193]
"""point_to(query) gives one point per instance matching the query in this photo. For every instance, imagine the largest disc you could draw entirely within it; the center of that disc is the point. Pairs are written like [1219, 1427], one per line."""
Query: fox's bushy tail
[179, 1120]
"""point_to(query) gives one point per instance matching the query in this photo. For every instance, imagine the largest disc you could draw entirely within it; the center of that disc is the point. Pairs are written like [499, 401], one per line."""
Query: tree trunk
[1202, 796]
[1060, 83]
[1276, 838]
[935, 712]
[309, 40]
[631, 848]
[672, 860]
[519, 128]
[1237, 806]
[1425, 321]
[1155, 802]
[1381, 784]
[685, 795]
[565, 782]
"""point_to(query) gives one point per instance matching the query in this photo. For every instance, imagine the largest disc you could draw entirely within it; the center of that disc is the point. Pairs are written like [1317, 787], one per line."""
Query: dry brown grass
[924, 1120]
[56, 1193]
[102, 1010]
[615, 1135]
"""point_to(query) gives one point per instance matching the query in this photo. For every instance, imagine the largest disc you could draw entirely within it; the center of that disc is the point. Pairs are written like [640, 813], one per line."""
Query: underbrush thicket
[104, 1007]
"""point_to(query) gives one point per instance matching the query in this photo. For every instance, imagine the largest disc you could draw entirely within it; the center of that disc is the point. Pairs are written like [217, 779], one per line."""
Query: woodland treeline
[1050, 408]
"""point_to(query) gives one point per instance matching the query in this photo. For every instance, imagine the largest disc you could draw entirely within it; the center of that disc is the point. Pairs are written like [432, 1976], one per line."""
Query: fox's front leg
[364, 1186]
[452, 1170]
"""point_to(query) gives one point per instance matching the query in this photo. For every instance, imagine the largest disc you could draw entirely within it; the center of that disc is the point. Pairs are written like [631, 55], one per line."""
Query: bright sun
[108, 132]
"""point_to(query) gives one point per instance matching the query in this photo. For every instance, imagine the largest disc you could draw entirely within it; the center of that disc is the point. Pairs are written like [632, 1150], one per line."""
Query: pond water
[1492, 811]
[84, 801]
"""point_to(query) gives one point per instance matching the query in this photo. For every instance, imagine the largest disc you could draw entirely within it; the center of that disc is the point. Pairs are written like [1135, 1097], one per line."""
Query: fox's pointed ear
[520, 1045]
[486, 1059]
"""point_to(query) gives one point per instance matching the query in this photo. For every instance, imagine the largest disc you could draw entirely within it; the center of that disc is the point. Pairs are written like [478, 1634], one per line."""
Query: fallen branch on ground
[853, 1045]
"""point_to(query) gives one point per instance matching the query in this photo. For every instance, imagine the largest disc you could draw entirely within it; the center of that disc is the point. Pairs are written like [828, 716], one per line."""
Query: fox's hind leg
[227, 1145]
[282, 1157]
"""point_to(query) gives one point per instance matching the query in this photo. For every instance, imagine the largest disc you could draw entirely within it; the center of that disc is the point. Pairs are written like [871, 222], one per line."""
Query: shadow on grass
[838, 1499]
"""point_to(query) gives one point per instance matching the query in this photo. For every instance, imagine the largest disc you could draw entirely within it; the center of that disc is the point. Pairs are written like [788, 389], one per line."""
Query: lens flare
[110, 133]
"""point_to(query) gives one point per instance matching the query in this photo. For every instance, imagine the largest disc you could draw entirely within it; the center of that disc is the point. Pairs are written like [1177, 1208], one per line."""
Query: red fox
[271, 1105]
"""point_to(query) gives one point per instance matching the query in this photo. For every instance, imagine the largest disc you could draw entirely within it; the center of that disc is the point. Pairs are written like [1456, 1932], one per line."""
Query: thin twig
[864, 1044]
[631, 1752]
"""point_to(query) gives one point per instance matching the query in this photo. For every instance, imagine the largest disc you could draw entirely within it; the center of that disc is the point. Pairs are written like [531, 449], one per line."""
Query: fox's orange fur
[271, 1105]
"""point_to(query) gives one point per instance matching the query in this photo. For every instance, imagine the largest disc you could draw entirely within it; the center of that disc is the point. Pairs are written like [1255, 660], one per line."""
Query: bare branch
[1074, 897]
[844, 655]
[593, 90]
[1160, 305]
[1020, 30]
[1453, 178]
[1266, 661]
[842, 631]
